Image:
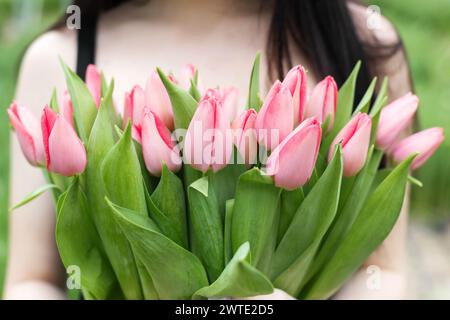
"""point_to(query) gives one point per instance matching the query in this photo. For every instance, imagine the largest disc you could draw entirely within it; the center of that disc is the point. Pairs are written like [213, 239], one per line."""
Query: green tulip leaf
[167, 207]
[206, 227]
[227, 232]
[345, 101]
[371, 227]
[254, 213]
[375, 112]
[117, 248]
[364, 104]
[121, 173]
[312, 219]
[79, 244]
[84, 108]
[183, 104]
[34, 194]
[54, 101]
[349, 208]
[290, 201]
[175, 272]
[238, 279]
[254, 98]
[193, 89]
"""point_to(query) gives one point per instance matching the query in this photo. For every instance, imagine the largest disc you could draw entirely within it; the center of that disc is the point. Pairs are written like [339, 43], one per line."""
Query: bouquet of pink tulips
[184, 195]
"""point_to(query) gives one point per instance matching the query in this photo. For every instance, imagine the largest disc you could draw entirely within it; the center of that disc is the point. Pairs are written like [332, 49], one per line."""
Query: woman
[220, 37]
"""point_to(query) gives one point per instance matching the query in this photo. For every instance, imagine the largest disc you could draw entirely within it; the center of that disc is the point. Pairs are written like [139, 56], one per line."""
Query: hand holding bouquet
[185, 195]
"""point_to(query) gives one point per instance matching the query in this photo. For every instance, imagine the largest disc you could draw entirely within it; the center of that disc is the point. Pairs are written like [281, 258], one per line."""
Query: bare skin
[218, 37]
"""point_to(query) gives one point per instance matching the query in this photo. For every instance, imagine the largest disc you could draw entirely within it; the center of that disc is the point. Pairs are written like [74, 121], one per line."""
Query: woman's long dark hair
[323, 30]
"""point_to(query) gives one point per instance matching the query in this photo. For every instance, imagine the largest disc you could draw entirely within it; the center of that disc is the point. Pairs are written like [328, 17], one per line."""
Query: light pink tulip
[323, 101]
[158, 101]
[208, 142]
[296, 81]
[64, 152]
[230, 102]
[158, 148]
[275, 120]
[94, 83]
[245, 135]
[425, 143]
[355, 139]
[394, 119]
[67, 108]
[292, 163]
[28, 133]
[188, 74]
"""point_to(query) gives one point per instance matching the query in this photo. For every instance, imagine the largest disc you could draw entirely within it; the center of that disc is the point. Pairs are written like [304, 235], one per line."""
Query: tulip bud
[292, 162]
[245, 135]
[28, 133]
[425, 143]
[158, 148]
[275, 120]
[394, 119]
[323, 101]
[67, 108]
[355, 139]
[94, 83]
[208, 142]
[64, 151]
[134, 106]
[296, 81]
[158, 101]
[230, 102]
[187, 74]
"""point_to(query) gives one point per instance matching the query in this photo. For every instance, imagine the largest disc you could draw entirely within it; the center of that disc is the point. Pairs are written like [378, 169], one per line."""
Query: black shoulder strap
[86, 44]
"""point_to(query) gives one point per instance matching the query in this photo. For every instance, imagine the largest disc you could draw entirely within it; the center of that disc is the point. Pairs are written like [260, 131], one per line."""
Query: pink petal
[94, 83]
[157, 99]
[157, 145]
[296, 81]
[48, 120]
[66, 152]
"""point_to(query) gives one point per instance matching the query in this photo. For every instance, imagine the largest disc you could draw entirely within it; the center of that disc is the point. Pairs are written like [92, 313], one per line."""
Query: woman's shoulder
[372, 27]
[40, 69]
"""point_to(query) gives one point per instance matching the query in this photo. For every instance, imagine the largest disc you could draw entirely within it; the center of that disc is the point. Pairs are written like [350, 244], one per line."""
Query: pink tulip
[94, 83]
[158, 147]
[230, 102]
[394, 119]
[245, 135]
[355, 139]
[425, 143]
[28, 133]
[296, 81]
[64, 152]
[275, 120]
[134, 106]
[208, 142]
[293, 161]
[67, 108]
[323, 101]
[188, 74]
[158, 101]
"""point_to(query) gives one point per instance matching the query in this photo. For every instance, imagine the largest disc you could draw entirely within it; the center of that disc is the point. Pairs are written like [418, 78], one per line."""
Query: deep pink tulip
[158, 101]
[323, 101]
[275, 120]
[28, 133]
[245, 135]
[425, 143]
[64, 151]
[158, 147]
[292, 163]
[94, 83]
[394, 119]
[296, 81]
[208, 142]
[355, 139]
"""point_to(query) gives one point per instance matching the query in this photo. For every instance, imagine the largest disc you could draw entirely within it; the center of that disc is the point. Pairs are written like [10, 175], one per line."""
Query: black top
[87, 35]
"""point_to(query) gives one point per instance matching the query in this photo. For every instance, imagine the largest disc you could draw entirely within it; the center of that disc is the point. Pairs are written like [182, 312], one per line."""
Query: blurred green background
[423, 25]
